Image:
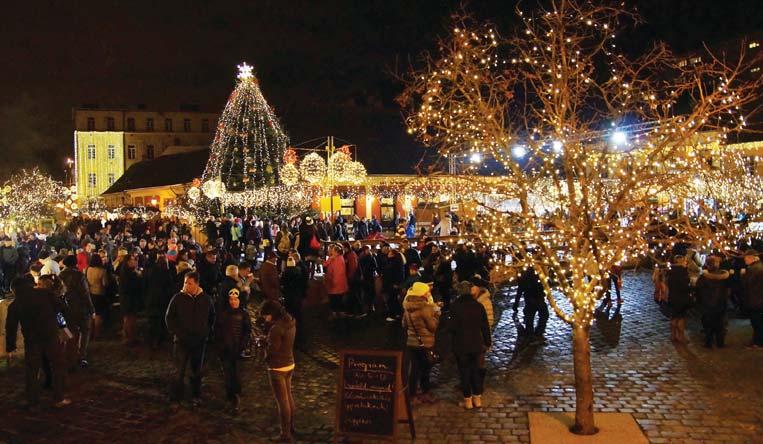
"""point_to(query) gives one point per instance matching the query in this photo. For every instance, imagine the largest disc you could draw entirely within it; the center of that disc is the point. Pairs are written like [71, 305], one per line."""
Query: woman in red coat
[335, 279]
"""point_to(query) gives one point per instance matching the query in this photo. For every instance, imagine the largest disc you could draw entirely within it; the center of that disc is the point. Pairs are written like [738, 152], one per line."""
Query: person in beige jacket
[420, 319]
[98, 281]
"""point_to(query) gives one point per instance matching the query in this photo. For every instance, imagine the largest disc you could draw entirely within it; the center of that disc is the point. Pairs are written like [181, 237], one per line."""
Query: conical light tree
[248, 148]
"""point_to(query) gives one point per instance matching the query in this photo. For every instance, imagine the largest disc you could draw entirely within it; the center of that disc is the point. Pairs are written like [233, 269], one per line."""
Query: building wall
[127, 129]
[156, 197]
[106, 170]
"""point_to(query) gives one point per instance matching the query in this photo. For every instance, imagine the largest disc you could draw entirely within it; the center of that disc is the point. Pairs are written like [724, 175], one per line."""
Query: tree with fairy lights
[247, 151]
[603, 152]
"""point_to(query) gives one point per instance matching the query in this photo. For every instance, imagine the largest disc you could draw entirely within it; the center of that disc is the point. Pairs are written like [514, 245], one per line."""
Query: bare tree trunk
[581, 355]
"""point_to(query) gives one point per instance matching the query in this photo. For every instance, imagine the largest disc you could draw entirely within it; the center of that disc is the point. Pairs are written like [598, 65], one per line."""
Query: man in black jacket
[79, 311]
[470, 331]
[530, 287]
[36, 310]
[190, 319]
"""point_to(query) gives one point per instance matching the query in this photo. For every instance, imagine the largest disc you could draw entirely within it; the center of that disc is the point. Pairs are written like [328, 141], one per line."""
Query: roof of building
[166, 170]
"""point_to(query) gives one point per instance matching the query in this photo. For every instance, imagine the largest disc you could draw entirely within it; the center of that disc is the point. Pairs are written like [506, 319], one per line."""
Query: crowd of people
[243, 290]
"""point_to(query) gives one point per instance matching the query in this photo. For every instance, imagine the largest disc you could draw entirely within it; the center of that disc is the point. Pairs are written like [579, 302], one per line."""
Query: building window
[347, 207]
[756, 69]
[91, 123]
[683, 63]
[168, 125]
[112, 152]
[387, 209]
[131, 152]
[205, 125]
[109, 124]
[131, 124]
[112, 179]
[187, 125]
[149, 151]
[753, 45]
[91, 151]
[696, 60]
[91, 180]
[149, 124]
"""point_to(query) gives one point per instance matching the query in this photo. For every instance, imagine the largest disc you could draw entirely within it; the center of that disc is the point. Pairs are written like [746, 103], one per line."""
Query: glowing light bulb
[519, 151]
[619, 138]
[244, 71]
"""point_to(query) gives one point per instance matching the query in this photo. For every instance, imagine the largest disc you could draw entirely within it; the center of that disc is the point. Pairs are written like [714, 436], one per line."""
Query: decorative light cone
[312, 168]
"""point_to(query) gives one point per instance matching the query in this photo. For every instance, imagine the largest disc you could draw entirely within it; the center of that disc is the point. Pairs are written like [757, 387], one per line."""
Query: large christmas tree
[247, 151]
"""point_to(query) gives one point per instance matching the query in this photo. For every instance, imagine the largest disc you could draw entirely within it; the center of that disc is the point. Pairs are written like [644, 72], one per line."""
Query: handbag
[314, 244]
[432, 356]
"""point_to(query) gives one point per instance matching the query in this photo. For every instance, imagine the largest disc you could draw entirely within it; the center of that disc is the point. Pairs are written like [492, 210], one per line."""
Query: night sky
[323, 65]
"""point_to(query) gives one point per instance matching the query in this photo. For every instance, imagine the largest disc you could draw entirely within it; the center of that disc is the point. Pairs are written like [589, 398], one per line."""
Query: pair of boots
[473, 401]
[678, 331]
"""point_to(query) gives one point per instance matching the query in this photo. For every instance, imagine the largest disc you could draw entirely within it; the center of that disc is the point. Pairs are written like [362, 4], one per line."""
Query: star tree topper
[244, 71]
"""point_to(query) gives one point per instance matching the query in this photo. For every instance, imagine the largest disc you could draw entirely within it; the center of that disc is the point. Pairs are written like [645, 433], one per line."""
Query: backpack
[284, 244]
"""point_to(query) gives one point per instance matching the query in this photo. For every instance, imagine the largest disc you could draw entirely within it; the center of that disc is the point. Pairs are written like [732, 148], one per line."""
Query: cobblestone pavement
[678, 394]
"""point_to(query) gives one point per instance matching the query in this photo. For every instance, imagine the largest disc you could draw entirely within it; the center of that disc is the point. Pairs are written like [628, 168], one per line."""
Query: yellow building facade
[108, 141]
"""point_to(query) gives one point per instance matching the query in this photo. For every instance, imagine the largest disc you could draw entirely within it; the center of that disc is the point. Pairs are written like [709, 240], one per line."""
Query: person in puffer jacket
[420, 320]
[481, 292]
[232, 328]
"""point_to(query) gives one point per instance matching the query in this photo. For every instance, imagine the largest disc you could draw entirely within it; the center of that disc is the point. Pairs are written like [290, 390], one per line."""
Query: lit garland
[30, 195]
[312, 168]
[289, 174]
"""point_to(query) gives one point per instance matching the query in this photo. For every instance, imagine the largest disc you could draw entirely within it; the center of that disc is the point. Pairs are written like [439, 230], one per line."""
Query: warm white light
[519, 151]
[475, 158]
[619, 138]
[557, 146]
[244, 71]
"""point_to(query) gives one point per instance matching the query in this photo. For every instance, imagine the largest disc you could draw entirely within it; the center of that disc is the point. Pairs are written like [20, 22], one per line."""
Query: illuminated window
[347, 207]
[91, 180]
[756, 69]
[682, 63]
[112, 178]
[112, 153]
[168, 125]
[131, 152]
[149, 124]
[149, 151]
[187, 125]
[205, 125]
[753, 45]
[696, 60]
[91, 151]
[131, 124]
[109, 124]
[91, 123]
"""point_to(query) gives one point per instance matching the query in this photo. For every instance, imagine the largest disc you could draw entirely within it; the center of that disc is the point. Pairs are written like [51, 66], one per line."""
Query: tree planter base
[554, 428]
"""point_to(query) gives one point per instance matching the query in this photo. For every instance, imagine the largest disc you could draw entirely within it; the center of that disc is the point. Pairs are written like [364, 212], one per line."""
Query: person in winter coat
[9, 257]
[229, 287]
[130, 298]
[232, 328]
[481, 294]
[305, 243]
[353, 279]
[269, 282]
[190, 319]
[160, 286]
[679, 298]
[368, 269]
[36, 309]
[393, 276]
[79, 311]
[335, 279]
[752, 295]
[470, 331]
[280, 361]
[530, 287]
[209, 272]
[420, 322]
[98, 282]
[712, 293]
[294, 287]
[443, 278]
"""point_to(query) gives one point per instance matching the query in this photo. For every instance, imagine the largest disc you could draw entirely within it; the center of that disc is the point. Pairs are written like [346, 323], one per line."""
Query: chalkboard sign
[367, 399]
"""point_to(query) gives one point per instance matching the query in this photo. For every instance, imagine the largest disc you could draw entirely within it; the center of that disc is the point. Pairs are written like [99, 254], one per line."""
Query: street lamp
[557, 146]
[519, 151]
[475, 158]
[619, 138]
